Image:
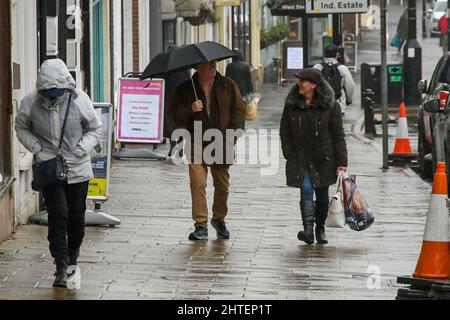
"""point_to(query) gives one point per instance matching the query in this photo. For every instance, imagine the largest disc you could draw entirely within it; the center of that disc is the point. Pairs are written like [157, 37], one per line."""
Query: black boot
[307, 208]
[73, 257]
[61, 275]
[321, 215]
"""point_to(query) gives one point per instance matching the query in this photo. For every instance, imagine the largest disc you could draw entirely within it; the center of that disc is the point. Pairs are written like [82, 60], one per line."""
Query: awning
[168, 10]
[190, 8]
[228, 3]
[291, 8]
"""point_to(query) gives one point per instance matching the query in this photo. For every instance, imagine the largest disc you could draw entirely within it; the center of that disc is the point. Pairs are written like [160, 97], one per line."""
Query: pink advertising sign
[141, 111]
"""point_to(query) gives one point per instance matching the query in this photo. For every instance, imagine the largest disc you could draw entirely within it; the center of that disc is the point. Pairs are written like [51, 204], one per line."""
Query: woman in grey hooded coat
[39, 126]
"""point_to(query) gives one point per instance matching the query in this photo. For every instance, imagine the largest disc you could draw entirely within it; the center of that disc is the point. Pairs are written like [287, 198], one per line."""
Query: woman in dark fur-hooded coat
[313, 143]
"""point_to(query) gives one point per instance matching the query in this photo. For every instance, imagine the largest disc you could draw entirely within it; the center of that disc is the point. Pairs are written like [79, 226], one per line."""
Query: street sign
[291, 8]
[395, 73]
[395, 70]
[337, 6]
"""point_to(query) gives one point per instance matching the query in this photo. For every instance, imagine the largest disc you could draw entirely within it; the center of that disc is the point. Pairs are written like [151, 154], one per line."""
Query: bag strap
[339, 183]
[64, 125]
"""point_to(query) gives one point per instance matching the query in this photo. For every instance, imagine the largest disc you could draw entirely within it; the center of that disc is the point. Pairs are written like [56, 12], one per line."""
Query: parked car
[435, 15]
[430, 139]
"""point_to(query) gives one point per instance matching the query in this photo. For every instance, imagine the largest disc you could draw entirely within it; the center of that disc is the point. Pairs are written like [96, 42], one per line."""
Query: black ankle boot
[307, 209]
[73, 257]
[321, 236]
[60, 276]
[321, 215]
[73, 260]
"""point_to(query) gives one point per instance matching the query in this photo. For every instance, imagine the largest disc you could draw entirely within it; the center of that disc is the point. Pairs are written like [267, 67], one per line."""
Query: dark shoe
[221, 228]
[200, 234]
[307, 235]
[321, 215]
[60, 277]
[73, 260]
[73, 257]
[321, 236]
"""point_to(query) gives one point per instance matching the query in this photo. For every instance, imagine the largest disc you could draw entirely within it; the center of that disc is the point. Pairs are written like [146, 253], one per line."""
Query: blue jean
[307, 192]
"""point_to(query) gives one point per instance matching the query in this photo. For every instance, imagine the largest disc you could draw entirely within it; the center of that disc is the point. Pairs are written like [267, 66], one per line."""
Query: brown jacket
[313, 138]
[227, 110]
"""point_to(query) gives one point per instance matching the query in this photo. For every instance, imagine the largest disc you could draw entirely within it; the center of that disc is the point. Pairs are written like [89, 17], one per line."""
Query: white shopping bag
[336, 212]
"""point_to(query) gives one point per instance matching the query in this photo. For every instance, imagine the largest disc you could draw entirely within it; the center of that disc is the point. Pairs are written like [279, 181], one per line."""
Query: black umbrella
[186, 58]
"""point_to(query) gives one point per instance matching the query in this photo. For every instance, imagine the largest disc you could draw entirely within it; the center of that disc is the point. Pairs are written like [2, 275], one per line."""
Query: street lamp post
[337, 29]
[412, 57]
[424, 18]
[384, 83]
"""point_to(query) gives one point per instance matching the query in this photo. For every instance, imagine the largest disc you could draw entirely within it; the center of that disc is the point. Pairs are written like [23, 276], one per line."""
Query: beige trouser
[199, 176]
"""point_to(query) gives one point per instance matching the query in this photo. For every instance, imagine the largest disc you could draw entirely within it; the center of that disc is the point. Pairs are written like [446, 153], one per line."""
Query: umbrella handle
[195, 91]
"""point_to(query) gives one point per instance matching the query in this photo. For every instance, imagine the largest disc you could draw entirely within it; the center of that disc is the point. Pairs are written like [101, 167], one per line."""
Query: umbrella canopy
[186, 58]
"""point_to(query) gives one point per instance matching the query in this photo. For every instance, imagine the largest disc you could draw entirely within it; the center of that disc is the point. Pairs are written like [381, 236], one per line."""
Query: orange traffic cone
[402, 145]
[402, 151]
[434, 260]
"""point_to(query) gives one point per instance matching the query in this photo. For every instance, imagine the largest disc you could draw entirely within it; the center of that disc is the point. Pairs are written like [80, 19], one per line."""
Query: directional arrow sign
[395, 70]
[337, 6]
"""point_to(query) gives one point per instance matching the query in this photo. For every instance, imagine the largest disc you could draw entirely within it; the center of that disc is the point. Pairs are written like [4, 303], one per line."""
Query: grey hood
[54, 74]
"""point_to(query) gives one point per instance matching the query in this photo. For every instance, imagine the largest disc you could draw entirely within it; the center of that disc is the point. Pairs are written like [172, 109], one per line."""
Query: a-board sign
[140, 111]
[351, 55]
[101, 155]
[293, 59]
[337, 6]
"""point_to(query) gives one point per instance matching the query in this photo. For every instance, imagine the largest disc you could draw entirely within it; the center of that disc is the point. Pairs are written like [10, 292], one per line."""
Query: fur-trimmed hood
[325, 97]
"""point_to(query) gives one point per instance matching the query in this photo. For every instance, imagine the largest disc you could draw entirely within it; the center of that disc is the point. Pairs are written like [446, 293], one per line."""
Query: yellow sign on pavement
[98, 188]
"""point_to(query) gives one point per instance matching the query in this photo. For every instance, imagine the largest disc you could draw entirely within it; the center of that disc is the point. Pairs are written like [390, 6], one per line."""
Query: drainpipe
[155, 29]
[62, 32]
[42, 31]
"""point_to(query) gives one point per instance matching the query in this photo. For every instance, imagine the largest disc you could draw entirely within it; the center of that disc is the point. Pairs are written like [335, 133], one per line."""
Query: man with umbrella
[214, 101]
[173, 81]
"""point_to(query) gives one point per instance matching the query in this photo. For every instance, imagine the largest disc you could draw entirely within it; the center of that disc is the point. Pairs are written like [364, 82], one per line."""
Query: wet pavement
[149, 256]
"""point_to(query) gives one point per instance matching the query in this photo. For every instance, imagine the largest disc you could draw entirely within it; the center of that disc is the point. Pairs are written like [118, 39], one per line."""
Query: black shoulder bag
[53, 172]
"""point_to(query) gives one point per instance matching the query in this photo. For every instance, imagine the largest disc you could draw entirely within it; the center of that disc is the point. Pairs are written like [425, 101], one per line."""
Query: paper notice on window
[295, 58]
